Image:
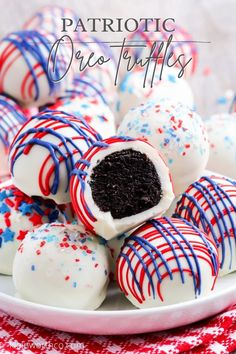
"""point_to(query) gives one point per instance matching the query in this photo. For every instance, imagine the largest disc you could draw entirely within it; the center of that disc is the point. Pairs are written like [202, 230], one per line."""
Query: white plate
[117, 315]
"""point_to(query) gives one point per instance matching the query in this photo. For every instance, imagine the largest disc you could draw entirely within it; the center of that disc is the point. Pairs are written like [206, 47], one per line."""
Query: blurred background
[215, 78]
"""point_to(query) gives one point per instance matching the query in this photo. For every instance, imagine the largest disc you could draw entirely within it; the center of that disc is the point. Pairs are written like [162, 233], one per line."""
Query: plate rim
[130, 312]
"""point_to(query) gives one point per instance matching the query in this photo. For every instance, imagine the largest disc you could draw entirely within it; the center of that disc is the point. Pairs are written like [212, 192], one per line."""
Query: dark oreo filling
[125, 183]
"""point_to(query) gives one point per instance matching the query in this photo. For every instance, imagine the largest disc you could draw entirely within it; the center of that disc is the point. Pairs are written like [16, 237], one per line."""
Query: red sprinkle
[42, 243]
[21, 235]
[36, 219]
[9, 202]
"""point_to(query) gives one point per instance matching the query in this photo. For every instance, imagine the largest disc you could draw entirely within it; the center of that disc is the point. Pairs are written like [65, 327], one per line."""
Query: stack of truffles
[93, 193]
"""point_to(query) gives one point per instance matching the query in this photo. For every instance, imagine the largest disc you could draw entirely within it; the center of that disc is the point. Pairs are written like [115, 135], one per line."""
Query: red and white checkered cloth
[213, 336]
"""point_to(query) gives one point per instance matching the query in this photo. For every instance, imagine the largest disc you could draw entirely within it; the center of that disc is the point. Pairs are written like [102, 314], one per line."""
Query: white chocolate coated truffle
[118, 185]
[221, 129]
[210, 204]
[27, 73]
[44, 153]
[60, 266]
[166, 261]
[177, 132]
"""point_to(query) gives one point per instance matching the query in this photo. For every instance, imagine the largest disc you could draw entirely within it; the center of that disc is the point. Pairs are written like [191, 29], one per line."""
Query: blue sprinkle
[25, 208]
[3, 195]
[171, 78]
[8, 235]
[51, 238]
[4, 208]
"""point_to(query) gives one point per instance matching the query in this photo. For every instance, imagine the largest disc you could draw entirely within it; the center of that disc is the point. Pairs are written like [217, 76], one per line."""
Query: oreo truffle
[175, 130]
[120, 183]
[210, 205]
[166, 261]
